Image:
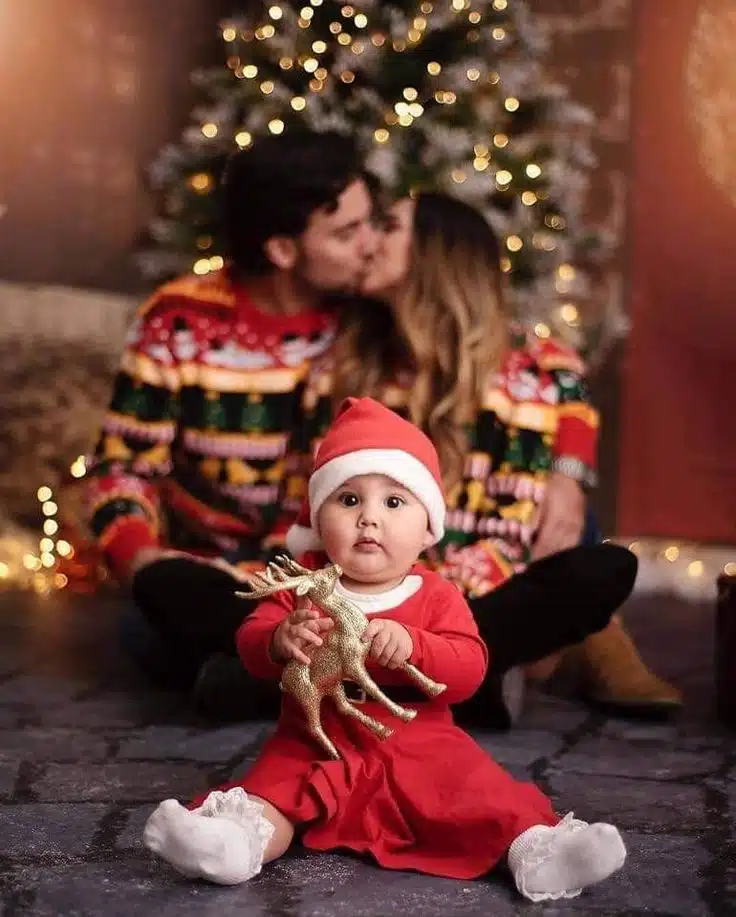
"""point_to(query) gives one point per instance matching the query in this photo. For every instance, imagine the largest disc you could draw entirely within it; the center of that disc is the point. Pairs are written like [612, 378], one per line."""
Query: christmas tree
[441, 94]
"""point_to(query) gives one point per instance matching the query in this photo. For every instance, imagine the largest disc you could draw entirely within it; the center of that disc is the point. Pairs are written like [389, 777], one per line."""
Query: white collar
[372, 603]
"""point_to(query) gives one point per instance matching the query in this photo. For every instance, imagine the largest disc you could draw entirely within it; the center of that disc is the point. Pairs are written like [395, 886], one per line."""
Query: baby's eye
[348, 499]
[394, 502]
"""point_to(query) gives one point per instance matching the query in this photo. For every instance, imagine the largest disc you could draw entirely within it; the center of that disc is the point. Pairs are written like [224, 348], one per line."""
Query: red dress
[428, 798]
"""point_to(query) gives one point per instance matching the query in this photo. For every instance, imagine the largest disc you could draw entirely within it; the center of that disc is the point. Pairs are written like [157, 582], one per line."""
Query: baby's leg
[559, 862]
[226, 840]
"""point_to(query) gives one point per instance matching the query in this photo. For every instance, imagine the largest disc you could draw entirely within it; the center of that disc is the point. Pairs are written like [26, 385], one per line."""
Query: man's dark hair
[272, 189]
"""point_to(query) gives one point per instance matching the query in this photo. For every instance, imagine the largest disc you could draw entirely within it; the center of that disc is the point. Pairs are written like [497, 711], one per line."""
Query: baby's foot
[559, 862]
[216, 849]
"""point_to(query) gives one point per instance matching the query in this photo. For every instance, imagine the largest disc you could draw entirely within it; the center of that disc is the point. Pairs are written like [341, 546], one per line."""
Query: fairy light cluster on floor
[683, 569]
[46, 563]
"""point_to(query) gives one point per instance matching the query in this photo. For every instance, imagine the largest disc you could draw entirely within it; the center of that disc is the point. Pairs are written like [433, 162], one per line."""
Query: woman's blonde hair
[448, 328]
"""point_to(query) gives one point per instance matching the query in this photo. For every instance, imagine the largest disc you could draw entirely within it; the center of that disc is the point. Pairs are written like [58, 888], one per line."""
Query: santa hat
[368, 438]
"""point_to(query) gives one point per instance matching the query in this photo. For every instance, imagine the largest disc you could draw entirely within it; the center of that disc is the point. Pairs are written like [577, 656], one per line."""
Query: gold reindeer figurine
[340, 658]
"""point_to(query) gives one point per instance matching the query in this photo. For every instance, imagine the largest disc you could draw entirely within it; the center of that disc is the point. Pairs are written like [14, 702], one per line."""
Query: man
[193, 449]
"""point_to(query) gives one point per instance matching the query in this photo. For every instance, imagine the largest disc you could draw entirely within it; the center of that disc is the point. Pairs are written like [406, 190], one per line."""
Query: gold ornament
[340, 658]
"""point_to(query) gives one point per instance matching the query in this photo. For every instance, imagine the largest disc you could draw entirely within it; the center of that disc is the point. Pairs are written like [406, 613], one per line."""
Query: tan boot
[613, 675]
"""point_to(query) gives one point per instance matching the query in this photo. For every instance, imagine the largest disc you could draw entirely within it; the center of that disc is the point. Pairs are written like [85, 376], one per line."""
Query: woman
[440, 271]
[523, 479]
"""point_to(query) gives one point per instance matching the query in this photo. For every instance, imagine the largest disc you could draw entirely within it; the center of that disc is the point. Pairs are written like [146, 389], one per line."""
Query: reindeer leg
[430, 687]
[295, 680]
[314, 724]
[344, 706]
[358, 673]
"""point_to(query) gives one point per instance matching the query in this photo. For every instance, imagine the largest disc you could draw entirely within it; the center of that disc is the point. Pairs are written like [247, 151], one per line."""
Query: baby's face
[375, 529]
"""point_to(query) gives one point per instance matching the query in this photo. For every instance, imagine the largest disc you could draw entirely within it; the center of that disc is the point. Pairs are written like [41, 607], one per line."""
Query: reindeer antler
[273, 579]
[292, 566]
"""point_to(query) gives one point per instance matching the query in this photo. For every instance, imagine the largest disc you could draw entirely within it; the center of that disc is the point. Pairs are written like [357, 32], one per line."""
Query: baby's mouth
[367, 543]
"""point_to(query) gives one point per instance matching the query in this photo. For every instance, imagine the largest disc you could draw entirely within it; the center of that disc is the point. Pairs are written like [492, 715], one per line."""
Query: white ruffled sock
[223, 841]
[548, 863]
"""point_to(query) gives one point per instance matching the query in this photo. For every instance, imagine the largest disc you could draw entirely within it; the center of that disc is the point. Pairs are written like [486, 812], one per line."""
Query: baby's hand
[391, 645]
[299, 633]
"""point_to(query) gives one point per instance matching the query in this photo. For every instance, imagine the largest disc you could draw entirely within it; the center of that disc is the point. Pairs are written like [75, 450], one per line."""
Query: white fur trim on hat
[401, 466]
[300, 539]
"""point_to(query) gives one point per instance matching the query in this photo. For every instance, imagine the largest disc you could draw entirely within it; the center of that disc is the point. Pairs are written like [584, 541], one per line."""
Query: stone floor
[86, 750]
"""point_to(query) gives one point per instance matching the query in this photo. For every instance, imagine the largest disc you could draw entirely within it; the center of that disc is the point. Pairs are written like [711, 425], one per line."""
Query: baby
[428, 798]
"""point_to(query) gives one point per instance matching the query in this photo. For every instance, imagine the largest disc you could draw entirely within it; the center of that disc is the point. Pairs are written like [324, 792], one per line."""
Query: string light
[201, 182]
[570, 315]
[554, 221]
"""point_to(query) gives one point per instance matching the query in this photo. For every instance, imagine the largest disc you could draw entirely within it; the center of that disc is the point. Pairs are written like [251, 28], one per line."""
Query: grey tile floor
[87, 749]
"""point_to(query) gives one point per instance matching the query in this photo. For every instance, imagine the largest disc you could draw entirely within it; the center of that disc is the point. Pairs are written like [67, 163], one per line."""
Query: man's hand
[391, 645]
[561, 516]
[299, 633]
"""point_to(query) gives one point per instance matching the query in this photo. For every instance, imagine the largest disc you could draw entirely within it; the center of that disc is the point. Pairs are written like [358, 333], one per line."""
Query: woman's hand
[561, 516]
